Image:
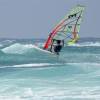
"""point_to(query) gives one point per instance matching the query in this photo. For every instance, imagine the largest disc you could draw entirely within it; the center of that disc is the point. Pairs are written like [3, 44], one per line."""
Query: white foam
[85, 44]
[85, 97]
[54, 93]
[17, 48]
[68, 93]
[51, 92]
[30, 65]
[52, 64]
[10, 98]
[92, 64]
[33, 65]
[7, 41]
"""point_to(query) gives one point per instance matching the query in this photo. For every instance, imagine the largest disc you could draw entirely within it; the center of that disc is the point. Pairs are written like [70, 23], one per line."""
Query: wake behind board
[42, 50]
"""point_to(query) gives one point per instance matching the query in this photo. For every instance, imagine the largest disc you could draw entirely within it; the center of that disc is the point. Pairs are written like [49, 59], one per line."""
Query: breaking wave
[17, 48]
[34, 65]
[87, 44]
[53, 93]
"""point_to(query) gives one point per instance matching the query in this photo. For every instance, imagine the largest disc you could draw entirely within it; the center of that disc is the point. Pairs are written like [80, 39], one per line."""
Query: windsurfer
[56, 48]
[66, 31]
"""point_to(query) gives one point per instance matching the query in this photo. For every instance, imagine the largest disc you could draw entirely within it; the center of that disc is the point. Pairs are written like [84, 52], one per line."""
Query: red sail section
[52, 34]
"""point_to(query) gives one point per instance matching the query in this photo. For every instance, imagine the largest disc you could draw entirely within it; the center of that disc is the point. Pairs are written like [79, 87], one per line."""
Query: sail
[68, 28]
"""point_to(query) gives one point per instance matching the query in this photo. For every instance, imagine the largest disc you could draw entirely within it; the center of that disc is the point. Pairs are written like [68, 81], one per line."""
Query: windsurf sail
[68, 28]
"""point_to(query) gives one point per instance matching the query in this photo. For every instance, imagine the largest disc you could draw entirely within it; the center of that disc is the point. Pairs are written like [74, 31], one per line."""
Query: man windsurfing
[56, 46]
[65, 31]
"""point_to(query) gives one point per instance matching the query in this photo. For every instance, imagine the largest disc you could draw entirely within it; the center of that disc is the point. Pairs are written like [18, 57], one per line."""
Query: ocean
[29, 74]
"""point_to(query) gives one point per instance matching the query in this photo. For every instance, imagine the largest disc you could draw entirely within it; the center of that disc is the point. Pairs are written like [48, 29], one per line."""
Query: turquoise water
[29, 74]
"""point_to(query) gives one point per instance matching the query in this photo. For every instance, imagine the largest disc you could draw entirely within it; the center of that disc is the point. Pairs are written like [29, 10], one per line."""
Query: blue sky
[36, 18]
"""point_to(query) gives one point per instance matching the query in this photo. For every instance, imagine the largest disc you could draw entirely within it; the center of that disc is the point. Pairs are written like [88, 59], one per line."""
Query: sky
[37, 18]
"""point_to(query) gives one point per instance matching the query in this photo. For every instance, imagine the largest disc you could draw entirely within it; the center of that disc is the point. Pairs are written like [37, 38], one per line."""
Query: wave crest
[84, 44]
[17, 48]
